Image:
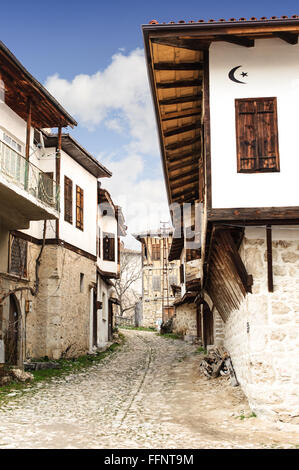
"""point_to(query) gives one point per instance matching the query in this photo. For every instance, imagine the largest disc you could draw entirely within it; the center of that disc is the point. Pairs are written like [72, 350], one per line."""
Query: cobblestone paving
[148, 394]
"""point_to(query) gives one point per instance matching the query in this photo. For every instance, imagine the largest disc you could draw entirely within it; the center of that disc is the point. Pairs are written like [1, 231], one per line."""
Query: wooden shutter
[68, 200]
[18, 256]
[79, 207]
[155, 251]
[182, 278]
[108, 247]
[99, 243]
[257, 135]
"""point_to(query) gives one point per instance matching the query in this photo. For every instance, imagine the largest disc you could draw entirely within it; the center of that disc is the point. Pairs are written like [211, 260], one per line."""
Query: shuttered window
[79, 207]
[182, 277]
[156, 251]
[18, 256]
[68, 200]
[108, 247]
[257, 135]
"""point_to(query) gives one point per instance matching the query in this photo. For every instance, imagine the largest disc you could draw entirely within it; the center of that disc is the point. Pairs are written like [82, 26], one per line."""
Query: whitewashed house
[110, 227]
[26, 194]
[48, 226]
[225, 95]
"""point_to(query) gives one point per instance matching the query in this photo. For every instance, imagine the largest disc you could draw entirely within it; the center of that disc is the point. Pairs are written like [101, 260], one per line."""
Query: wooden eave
[177, 245]
[70, 146]
[21, 86]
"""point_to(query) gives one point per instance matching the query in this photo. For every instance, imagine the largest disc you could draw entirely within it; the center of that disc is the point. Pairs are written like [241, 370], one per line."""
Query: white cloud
[119, 99]
[123, 88]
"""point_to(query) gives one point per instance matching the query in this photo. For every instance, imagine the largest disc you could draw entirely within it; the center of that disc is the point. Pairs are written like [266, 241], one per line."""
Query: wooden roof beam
[188, 162]
[238, 40]
[290, 38]
[183, 143]
[181, 114]
[192, 44]
[181, 99]
[182, 175]
[179, 157]
[178, 66]
[180, 84]
[182, 129]
[180, 184]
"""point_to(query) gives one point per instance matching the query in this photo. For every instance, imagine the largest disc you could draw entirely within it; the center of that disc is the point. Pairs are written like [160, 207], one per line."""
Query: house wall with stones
[152, 279]
[59, 321]
[262, 336]
[184, 321]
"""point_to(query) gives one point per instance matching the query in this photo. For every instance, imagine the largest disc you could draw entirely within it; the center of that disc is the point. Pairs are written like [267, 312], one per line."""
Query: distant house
[158, 275]
[225, 95]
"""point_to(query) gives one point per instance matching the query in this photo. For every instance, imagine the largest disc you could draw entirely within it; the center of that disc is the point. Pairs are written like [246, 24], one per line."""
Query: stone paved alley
[147, 394]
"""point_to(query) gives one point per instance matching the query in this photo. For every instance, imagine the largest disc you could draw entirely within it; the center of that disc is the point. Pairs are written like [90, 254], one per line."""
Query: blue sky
[88, 54]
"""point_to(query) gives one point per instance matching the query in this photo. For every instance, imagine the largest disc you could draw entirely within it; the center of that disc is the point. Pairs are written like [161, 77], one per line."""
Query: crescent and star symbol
[232, 77]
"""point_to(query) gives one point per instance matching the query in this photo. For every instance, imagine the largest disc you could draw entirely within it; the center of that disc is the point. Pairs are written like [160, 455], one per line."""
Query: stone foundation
[59, 321]
[184, 322]
[262, 336]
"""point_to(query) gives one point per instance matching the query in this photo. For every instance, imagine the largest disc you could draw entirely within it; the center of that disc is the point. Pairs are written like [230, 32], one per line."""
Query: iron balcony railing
[20, 171]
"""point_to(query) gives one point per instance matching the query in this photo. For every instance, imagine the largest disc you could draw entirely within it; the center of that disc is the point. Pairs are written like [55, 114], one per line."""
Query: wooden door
[208, 326]
[12, 333]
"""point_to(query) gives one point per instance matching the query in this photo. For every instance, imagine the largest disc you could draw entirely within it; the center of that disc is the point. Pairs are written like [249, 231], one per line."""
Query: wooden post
[269, 258]
[57, 169]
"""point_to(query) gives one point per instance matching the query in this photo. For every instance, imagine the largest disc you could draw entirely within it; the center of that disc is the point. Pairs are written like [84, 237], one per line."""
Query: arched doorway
[12, 333]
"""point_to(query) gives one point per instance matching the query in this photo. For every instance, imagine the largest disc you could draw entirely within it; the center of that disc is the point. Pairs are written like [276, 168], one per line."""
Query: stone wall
[59, 321]
[152, 311]
[184, 322]
[262, 336]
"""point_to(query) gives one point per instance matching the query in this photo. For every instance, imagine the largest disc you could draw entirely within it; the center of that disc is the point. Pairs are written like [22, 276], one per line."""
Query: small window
[182, 276]
[155, 251]
[81, 282]
[257, 135]
[68, 200]
[156, 281]
[108, 246]
[79, 207]
[18, 256]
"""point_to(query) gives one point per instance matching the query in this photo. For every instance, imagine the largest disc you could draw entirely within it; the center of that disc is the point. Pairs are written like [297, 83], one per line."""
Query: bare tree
[128, 286]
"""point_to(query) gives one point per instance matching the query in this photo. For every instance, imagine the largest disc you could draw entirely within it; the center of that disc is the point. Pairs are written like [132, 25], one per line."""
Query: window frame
[79, 208]
[68, 212]
[257, 157]
[109, 255]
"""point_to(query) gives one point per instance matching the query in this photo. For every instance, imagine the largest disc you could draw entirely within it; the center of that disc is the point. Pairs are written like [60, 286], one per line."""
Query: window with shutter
[182, 277]
[108, 246]
[79, 207]
[68, 200]
[257, 135]
[155, 251]
[99, 243]
[18, 256]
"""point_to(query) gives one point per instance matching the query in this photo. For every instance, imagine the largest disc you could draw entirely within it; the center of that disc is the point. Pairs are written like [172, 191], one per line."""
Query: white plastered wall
[273, 71]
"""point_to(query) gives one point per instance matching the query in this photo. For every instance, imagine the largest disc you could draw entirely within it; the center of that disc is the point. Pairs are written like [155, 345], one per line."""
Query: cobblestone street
[147, 394]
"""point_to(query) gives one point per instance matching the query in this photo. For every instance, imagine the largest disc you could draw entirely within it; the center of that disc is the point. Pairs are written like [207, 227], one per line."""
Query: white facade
[107, 224]
[273, 71]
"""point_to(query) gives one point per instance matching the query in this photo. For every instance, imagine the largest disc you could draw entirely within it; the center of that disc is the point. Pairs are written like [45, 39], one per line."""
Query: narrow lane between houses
[147, 394]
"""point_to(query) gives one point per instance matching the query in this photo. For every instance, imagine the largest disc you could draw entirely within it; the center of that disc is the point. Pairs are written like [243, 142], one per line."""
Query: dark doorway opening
[208, 326]
[12, 334]
[110, 320]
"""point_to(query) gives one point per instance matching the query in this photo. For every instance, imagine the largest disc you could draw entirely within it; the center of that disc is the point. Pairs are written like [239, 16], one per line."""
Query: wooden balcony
[26, 193]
